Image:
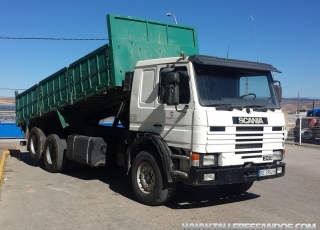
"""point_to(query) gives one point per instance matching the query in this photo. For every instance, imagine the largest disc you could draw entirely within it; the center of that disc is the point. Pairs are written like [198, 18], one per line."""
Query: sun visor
[226, 62]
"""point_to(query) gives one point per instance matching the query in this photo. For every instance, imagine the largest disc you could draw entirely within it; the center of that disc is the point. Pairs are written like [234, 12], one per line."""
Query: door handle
[157, 125]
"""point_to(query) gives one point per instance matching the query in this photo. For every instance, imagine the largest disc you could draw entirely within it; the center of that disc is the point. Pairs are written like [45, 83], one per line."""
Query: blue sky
[287, 32]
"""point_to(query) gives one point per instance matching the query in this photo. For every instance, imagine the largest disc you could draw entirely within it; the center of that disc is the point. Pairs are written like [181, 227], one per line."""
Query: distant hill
[7, 100]
[292, 104]
[301, 99]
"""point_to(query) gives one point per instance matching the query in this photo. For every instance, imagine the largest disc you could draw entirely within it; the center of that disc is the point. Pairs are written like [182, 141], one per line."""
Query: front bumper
[231, 175]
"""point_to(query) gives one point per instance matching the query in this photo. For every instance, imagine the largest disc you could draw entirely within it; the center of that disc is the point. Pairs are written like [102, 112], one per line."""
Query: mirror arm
[184, 110]
[276, 81]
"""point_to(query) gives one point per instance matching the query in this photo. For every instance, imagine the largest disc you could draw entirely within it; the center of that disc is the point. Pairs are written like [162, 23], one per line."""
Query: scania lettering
[149, 102]
[250, 120]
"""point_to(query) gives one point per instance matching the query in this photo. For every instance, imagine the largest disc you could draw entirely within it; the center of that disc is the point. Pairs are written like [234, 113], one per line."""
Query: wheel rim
[146, 177]
[50, 151]
[33, 144]
[306, 133]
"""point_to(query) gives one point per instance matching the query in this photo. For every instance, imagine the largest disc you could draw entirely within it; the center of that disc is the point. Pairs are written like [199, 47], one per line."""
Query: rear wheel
[148, 181]
[235, 189]
[36, 142]
[54, 157]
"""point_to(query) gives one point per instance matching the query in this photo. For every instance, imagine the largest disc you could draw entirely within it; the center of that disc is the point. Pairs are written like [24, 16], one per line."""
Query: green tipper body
[101, 71]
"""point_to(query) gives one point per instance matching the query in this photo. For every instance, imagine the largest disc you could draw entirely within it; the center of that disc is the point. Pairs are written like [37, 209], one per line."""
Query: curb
[303, 144]
[2, 164]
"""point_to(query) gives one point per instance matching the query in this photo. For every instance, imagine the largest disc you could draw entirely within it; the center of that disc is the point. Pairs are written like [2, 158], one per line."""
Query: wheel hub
[146, 177]
[33, 144]
[50, 154]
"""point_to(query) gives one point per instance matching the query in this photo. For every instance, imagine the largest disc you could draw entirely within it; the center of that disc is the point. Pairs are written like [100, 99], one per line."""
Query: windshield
[220, 86]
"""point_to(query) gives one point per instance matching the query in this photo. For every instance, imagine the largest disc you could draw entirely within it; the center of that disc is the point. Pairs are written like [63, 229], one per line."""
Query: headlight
[277, 155]
[210, 160]
[209, 177]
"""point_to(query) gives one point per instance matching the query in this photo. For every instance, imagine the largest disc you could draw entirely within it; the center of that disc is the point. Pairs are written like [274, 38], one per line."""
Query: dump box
[95, 78]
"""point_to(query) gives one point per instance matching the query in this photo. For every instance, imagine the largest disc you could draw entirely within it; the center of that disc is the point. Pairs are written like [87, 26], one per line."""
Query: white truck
[220, 119]
[198, 119]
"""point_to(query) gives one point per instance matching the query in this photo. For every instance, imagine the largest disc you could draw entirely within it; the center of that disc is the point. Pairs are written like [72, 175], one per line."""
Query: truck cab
[221, 118]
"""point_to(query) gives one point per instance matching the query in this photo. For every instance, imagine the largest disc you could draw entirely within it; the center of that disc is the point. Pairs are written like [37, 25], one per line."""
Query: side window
[147, 80]
[184, 88]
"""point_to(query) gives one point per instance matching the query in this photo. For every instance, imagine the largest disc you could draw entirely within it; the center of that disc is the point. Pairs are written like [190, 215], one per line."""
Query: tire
[307, 134]
[148, 180]
[235, 189]
[36, 142]
[54, 154]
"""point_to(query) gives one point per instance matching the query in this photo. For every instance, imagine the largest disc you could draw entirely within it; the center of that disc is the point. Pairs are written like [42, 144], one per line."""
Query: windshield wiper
[224, 106]
[220, 104]
[254, 106]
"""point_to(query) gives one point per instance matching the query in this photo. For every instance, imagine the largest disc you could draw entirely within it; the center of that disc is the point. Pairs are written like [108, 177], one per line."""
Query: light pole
[170, 14]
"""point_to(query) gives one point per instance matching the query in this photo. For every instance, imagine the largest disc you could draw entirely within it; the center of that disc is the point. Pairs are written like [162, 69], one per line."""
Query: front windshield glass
[220, 86]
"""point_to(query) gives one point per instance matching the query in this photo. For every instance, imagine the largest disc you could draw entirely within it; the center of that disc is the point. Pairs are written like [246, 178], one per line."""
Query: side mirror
[172, 88]
[278, 90]
[172, 78]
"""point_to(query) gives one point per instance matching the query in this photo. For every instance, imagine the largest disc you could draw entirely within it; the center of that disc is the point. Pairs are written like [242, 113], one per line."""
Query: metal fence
[303, 130]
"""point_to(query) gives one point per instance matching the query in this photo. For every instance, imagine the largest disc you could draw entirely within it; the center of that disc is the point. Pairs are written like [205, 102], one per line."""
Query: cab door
[174, 127]
[143, 97]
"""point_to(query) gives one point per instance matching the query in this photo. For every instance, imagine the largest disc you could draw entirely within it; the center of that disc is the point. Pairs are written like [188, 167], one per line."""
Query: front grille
[249, 135]
[277, 128]
[248, 129]
[248, 146]
[248, 140]
[246, 137]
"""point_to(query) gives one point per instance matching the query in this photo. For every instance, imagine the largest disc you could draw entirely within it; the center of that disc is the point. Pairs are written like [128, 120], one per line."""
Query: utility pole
[298, 103]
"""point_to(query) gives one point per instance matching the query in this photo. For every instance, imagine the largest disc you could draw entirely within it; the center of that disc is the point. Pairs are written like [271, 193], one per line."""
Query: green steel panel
[181, 37]
[89, 75]
[133, 39]
[27, 104]
[53, 91]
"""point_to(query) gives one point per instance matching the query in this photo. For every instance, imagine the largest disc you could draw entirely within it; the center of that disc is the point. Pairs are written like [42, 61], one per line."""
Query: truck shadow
[25, 158]
[191, 197]
[186, 196]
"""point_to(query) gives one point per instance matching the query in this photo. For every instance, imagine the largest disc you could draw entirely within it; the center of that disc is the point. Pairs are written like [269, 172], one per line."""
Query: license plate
[267, 172]
[268, 158]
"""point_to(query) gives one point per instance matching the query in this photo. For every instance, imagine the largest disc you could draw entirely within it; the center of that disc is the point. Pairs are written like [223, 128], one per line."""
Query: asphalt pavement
[90, 198]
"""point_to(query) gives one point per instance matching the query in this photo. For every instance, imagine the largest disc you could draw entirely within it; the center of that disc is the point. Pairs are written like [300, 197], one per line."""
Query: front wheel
[235, 189]
[148, 182]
